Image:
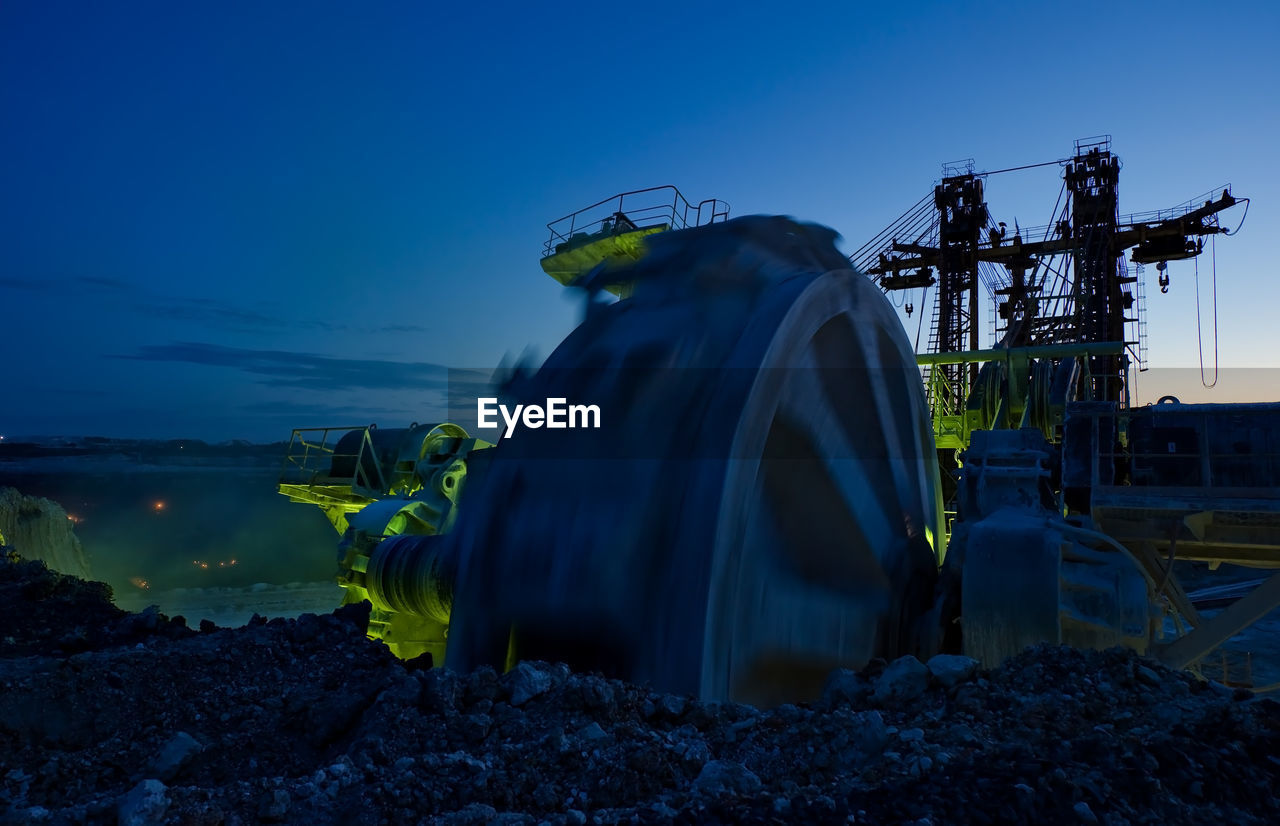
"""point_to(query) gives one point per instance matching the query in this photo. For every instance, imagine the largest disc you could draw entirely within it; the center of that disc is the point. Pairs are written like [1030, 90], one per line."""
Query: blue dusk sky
[224, 220]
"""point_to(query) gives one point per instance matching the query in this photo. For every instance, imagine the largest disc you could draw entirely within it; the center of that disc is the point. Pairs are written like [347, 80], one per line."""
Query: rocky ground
[110, 717]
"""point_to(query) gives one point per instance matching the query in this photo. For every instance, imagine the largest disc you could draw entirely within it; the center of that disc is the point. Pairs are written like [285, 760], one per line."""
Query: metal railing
[658, 206]
[313, 459]
[1174, 212]
[955, 169]
[1100, 142]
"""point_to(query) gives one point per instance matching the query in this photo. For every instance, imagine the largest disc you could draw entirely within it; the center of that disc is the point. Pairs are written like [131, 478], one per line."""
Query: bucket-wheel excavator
[774, 491]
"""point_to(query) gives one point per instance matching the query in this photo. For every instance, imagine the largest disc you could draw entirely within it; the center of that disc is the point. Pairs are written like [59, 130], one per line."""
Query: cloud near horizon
[208, 311]
[283, 368]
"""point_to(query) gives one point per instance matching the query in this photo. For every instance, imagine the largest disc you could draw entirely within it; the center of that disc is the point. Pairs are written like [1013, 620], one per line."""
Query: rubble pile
[144, 721]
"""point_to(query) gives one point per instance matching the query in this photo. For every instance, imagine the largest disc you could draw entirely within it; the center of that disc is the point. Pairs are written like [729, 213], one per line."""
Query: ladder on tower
[933, 348]
[1140, 297]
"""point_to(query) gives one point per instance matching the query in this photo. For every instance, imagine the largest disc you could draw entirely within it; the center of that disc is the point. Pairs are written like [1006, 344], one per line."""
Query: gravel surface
[109, 717]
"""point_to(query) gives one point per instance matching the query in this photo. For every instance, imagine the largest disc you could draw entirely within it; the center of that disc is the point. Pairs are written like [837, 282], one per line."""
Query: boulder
[176, 755]
[726, 775]
[951, 669]
[527, 682]
[143, 805]
[906, 678]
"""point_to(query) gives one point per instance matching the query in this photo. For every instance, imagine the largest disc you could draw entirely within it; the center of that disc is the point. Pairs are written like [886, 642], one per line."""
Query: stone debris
[903, 680]
[844, 686]
[949, 669]
[274, 806]
[527, 682]
[144, 805]
[307, 721]
[726, 775]
[175, 756]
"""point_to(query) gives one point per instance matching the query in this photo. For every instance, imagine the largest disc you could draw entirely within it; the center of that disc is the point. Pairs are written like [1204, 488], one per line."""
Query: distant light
[158, 506]
[220, 563]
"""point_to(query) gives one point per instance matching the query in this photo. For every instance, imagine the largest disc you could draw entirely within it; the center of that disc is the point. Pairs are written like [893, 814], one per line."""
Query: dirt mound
[307, 721]
[45, 612]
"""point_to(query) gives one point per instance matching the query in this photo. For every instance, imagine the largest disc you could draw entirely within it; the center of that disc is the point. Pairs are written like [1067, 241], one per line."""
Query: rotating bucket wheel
[760, 503]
